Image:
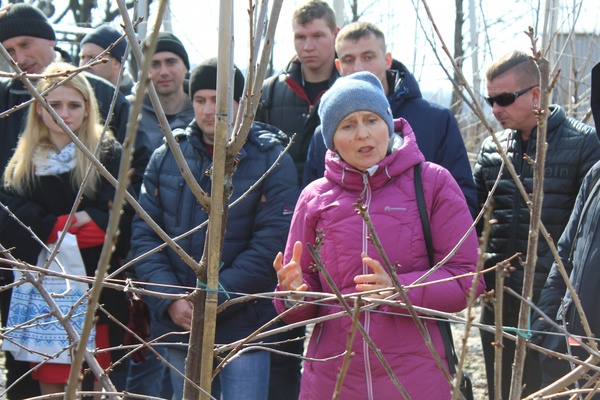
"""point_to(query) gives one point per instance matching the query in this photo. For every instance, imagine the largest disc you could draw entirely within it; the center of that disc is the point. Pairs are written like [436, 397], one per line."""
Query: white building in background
[575, 55]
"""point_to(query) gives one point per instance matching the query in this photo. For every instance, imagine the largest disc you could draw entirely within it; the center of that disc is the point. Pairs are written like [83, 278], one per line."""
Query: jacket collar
[402, 83]
[557, 116]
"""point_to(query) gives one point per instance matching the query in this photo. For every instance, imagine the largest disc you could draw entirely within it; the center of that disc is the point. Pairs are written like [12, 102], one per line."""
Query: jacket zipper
[365, 245]
[517, 195]
[180, 201]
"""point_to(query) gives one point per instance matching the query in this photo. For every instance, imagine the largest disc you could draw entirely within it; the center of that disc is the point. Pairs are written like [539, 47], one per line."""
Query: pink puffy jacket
[327, 205]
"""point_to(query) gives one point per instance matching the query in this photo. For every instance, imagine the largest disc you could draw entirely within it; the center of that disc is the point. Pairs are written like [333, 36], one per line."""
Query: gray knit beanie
[361, 91]
[105, 35]
[25, 20]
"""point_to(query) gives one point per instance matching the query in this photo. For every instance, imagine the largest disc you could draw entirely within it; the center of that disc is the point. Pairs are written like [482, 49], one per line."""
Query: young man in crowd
[256, 230]
[168, 71]
[289, 99]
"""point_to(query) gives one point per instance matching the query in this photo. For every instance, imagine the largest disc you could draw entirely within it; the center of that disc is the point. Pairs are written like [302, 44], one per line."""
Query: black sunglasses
[506, 99]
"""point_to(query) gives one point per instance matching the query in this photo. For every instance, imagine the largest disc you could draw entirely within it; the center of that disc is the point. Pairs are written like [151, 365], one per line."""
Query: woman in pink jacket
[373, 157]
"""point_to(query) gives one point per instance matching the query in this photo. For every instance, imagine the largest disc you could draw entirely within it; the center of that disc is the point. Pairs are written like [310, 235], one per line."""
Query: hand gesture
[290, 275]
[379, 279]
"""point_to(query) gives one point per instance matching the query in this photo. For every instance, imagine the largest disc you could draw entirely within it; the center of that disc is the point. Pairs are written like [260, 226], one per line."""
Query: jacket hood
[404, 83]
[401, 159]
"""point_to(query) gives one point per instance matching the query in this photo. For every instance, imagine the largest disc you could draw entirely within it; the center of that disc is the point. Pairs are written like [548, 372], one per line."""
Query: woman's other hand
[290, 275]
[379, 279]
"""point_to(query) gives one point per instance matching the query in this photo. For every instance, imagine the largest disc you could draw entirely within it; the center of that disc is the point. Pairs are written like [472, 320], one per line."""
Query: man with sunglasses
[514, 95]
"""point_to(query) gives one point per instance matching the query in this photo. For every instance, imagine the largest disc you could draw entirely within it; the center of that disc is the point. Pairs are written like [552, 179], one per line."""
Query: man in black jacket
[514, 94]
[289, 99]
[29, 39]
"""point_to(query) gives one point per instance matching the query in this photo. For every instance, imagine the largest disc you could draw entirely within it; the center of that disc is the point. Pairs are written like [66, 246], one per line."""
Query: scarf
[53, 163]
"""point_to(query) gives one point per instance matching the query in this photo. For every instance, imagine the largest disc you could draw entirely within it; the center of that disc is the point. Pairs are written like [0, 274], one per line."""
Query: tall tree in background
[456, 104]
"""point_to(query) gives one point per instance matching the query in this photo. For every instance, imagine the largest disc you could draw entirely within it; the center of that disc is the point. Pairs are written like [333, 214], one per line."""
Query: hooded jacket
[435, 128]
[285, 104]
[256, 229]
[572, 150]
[327, 205]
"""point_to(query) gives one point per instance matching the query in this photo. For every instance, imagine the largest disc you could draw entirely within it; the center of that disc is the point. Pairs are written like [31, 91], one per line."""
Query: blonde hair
[20, 175]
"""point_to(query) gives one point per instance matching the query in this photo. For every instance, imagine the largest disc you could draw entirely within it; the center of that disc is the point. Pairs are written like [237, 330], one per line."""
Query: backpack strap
[266, 101]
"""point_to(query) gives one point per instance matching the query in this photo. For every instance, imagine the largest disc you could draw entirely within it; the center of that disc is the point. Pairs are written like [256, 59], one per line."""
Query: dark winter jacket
[578, 250]
[51, 197]
[256, 228]
[13, 93]
[150, 136]
[328, 206]
[435, 127]
[285, 105]
[572, 150]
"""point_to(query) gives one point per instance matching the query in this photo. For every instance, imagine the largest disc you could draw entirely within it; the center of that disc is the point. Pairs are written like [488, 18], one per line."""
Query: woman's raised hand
[290, 275]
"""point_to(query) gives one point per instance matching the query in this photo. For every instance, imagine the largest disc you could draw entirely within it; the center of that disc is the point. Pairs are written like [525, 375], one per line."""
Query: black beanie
[166, 41]
[104, 36]
[25, 20]
[204, 76]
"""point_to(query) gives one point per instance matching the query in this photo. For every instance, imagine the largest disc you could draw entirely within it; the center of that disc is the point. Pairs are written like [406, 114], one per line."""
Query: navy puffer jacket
[256, 230]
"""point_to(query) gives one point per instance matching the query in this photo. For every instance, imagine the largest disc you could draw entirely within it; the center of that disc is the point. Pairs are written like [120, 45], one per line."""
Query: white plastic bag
[45, 336]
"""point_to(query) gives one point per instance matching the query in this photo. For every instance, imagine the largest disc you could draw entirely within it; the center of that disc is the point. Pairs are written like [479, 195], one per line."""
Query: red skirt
[59, 373]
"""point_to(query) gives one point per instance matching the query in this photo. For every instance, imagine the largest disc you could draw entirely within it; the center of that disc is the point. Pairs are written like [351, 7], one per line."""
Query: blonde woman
[40, 184]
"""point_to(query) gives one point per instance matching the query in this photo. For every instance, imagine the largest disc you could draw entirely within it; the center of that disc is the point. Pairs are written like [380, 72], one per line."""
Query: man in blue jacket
[360, 46]
[256, 230]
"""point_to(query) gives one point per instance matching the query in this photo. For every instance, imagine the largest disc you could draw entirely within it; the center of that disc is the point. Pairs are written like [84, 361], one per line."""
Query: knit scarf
[52, 163]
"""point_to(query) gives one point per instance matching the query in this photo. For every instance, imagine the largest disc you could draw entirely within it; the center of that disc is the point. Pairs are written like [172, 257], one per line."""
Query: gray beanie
[25, 20]
[104, 36]
[361, 91]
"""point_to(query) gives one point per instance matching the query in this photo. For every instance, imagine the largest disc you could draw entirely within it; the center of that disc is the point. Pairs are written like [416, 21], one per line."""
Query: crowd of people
[366, 141]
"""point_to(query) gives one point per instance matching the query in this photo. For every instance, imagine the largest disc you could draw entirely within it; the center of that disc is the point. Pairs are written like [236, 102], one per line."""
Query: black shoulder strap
[423, 212]
[444, 326]
[267, 98]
